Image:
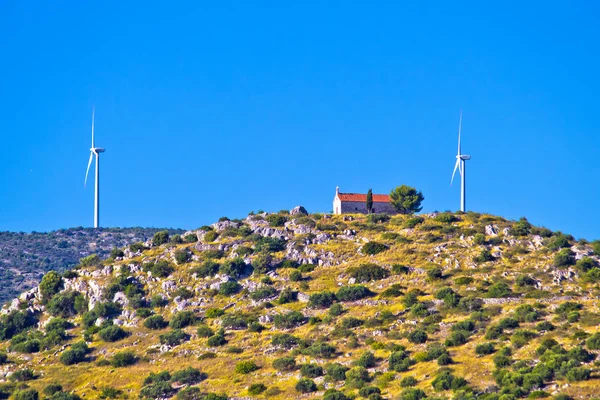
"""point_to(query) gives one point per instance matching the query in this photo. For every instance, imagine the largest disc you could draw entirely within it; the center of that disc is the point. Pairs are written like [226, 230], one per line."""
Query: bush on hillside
[321, 300]
[368, 272]
[353, 293]
[155, 322]
[160, 238]
[564, 258]
[372, 248]
[112, 333]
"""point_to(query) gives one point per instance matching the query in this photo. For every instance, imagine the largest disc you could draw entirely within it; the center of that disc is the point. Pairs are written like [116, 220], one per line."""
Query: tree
[369, 201]
[160, 237]
[406, 199]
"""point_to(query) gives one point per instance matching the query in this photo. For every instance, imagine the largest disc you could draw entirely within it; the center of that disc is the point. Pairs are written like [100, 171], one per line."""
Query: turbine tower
[95, 150]
[460, 165]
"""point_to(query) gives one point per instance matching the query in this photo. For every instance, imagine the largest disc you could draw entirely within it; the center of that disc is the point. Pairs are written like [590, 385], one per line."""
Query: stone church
[356, 203]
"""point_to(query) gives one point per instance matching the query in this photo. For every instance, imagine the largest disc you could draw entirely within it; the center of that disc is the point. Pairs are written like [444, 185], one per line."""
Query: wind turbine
[460, 165]
[95, 150]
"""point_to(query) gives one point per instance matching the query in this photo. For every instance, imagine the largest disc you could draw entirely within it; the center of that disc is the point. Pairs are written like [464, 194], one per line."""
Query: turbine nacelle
[97, 150]
[464, 157]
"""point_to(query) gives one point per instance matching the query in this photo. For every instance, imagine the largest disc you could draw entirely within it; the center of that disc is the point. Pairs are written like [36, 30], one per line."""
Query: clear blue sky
[219, 108]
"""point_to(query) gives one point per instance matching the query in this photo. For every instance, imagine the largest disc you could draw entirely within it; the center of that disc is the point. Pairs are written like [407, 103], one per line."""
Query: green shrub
[246, 367]
[75, 354]
[306, 386]
[161, 269]
[457, 338]
[393, 291]
[230, 288]
[217, 340]
[484, 349]
[263, 293]
[521, 228]
[92, 260]
[321, 300]
[50, 285]
[408, 381]
[479, 239]
[399, 361]
[290, 320]
[446, 218]
[158, 301]
[204, 331]
[182, 256]
[311, 370]
[188, 376]
[366, 360]
[295, 276]
[417, 336]
[112, 333]
[446, 381]
[368, 272]
[286, 364]
[52, 388]
[234, 267]
[67, 304]
[586, 264]
[321, 350]
[353, 293]
[26, 394]
[285, 341]
[414, 221]
[155, 322]
[593, 342]
[22, 375]
[564, 258]
[412, 394]
[435, 273]
[123, 359]
[108, 392]
[160, 238]
[256, 389]
[499, 289]
[214, 313]
[484, 256]
[276, 220]
[287, 296]
[174, 337]
[372, 248]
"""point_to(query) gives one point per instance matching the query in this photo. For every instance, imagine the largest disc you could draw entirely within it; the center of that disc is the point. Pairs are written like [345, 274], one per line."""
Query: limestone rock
[298, 210]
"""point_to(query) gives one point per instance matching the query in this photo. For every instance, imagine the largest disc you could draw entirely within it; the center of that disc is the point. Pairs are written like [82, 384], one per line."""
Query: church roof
[362, 197]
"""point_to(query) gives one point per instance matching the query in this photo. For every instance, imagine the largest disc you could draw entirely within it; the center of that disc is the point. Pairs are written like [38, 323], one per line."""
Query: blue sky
[209, 109]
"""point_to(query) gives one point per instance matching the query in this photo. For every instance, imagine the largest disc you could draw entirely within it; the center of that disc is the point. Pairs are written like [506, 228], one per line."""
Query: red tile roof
[359, 197]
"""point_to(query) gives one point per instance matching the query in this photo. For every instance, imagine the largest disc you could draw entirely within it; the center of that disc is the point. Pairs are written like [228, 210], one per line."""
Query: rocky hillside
[26, 257]
[289, 305]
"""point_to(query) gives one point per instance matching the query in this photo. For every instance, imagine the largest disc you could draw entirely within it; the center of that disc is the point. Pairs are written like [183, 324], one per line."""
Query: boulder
[298, 210]
[491, 230]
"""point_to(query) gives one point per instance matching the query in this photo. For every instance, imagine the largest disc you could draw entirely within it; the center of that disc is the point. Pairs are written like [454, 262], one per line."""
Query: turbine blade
[459, 129]
[456, 166]
[88, 168]
[93, 112]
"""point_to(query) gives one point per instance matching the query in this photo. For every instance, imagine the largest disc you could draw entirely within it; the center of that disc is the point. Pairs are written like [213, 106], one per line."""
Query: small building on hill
[356, 203]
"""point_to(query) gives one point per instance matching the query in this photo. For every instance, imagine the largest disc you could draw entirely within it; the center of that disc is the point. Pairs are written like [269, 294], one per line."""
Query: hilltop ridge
[25, 257]
[286, 305]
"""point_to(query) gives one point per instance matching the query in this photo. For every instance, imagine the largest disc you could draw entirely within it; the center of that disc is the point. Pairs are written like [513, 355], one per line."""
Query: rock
[222, 225]
[491, 230]
[303, 297]
[121, 299]
[222, 280]
[265, 319]
[169, 285]
[298, 210]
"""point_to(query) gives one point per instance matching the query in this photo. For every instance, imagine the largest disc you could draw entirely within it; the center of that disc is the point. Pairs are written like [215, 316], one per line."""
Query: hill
[285, 306]
[26, 257]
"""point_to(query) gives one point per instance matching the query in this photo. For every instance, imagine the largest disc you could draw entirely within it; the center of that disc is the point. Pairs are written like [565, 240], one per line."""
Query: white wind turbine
[95, 150]
[460, 165]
